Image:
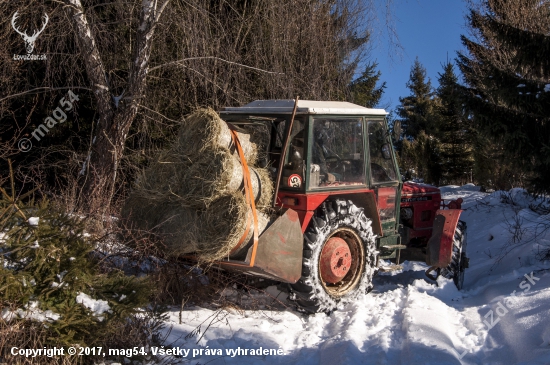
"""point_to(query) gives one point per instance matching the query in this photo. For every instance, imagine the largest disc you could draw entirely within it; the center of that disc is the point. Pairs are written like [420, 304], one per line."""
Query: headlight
[406, 213]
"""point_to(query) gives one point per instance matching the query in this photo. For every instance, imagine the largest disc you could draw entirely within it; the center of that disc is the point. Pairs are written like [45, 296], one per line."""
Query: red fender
[440, 245]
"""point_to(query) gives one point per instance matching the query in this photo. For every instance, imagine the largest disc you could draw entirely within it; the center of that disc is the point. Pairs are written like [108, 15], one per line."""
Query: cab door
[384, 177]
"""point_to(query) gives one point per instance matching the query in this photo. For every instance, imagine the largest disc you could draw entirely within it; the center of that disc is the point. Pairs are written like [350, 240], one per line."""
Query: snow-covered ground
[502, 316]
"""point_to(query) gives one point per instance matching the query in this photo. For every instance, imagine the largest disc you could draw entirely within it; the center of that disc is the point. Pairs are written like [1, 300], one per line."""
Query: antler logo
[29, 40]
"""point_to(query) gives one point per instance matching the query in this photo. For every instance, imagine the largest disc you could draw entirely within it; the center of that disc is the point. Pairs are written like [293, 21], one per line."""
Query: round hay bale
[241, 251]
[178, 226]
[210, 177]
[140, 212]
[213, 176]
[222, 226]
[180, 229]
[264, 192]
[163, 176]
[204, 130]
[210, 234]
[196, 183]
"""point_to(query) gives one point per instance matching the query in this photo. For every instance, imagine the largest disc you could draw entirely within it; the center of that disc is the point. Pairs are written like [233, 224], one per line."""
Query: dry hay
[164, 175]
[176, 178]
[227, 222]
[211, 234]
[265, 191]
[192, 194]
[177, 225]
[211, 176]
[205, 131]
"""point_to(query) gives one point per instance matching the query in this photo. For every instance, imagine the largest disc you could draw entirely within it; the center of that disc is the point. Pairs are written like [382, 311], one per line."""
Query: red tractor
[342, 205]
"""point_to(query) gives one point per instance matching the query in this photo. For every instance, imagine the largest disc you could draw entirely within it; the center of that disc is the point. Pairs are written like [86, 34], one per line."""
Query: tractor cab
[333, 149]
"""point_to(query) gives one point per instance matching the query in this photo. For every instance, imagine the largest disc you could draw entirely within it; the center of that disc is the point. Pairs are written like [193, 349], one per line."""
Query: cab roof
[304, 107]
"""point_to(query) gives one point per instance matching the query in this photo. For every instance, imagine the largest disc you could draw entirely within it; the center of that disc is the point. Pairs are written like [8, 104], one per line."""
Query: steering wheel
[333, 159]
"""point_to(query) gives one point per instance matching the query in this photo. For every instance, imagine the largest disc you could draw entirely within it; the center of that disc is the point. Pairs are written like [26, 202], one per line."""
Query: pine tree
[363, 89]
[453, 130]
[507, 71]
[416, 110]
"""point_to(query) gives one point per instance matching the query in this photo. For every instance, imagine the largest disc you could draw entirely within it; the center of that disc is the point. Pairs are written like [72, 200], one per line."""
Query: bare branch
[215, 58]
[154, 111]
[44, 89]
[161, 10]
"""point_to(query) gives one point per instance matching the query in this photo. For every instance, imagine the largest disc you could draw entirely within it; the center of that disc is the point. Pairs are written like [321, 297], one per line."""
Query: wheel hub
[335, 260]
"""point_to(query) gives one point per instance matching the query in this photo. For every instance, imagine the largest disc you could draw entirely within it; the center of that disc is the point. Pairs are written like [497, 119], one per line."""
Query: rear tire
[337, 221]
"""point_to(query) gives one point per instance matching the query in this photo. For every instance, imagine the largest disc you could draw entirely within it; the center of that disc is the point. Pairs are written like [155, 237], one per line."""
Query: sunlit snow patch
[97, 306]
[33, 221]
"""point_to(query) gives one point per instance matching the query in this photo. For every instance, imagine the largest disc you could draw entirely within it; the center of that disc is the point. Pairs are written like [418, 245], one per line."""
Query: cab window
[337, 153]
[382, 166]
[294, 167]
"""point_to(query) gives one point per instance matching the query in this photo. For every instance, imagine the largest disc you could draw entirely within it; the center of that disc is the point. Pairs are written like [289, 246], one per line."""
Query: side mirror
[386, 151]
[397, 130]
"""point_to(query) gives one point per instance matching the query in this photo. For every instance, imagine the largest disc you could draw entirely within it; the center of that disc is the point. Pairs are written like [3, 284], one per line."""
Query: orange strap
[249, 195]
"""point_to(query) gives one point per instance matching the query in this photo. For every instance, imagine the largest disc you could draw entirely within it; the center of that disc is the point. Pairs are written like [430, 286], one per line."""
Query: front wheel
[339, 257]
[459, 261]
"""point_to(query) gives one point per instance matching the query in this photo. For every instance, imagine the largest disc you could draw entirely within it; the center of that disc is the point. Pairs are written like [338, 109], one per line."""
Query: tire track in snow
[367, 331]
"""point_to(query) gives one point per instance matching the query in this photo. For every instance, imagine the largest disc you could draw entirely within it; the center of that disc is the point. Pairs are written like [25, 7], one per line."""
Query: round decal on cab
[294, 181]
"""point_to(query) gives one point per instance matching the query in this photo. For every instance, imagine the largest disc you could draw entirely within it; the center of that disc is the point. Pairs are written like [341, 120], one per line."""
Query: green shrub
[47, 268]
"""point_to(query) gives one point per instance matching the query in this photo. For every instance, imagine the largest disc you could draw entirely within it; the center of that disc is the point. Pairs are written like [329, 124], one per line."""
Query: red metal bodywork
[386, 197]
[440, 245]
[306, 204]
[430, 225]
[424, 200]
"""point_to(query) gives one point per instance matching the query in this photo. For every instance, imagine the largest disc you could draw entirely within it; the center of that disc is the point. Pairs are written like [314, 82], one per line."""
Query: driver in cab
[321, 150]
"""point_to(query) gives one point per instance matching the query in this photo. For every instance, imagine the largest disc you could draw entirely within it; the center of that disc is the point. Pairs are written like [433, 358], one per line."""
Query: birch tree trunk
[116, 114]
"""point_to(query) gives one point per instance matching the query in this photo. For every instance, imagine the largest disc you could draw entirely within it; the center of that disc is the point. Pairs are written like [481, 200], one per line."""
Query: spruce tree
[507, 72]
[418, 116]
[416, 110]
[363, 89]
[453, 130]
[49, 273]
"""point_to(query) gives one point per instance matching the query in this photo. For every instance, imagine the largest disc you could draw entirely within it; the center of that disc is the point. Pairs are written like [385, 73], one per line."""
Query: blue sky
[429, 29]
